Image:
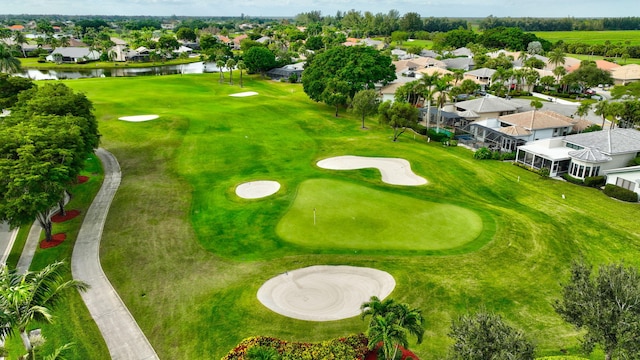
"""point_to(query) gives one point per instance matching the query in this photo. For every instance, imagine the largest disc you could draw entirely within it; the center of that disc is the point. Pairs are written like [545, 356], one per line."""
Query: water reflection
[192, 68]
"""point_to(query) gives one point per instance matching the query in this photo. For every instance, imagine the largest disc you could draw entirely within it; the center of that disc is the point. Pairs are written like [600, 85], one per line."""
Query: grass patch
[592, 37]
[187, 256]
[348, 217]
[32, 63]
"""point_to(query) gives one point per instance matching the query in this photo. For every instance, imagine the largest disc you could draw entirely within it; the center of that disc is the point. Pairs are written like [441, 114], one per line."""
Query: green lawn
[348, 217]
[32, 63]
[595, 57]
[187, 255]
[592, 37]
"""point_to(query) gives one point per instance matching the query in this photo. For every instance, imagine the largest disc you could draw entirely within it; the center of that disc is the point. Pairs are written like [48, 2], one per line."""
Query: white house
[628, 178]
[73, 54]
[582, 155]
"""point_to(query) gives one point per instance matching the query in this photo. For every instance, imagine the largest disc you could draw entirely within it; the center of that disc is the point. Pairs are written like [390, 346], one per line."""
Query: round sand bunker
[257, 189]
[324, 293]
[139, 118]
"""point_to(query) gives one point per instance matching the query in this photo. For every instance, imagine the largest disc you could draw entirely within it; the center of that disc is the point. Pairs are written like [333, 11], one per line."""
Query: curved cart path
[122, 334]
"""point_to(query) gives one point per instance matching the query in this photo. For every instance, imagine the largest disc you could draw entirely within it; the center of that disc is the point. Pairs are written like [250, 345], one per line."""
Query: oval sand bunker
[139, 118]
[245, 94]
[324, 293]
[257, 189]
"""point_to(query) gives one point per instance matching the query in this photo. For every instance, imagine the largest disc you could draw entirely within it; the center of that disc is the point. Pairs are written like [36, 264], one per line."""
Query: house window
[596, 171]
[587, 171]
[581, 171]
[629, 185]
[574, 146]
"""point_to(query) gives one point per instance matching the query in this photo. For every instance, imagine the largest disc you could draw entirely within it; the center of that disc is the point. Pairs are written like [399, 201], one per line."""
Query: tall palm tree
[556, 57]
[19, 39]
[31, 296]
[583, 109]
[602, 108]
[220, 64]
[8, 63]
[426, 85]
[230, 64]
[442, 87]
[241, 66]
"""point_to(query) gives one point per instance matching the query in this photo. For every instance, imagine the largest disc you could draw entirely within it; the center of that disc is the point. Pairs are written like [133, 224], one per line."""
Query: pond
[192, 68]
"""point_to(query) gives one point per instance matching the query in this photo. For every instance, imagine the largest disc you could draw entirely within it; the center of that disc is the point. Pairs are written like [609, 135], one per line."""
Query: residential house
[73, 55]
[508, 132]
[461, 63]
[462, 52]
[626, 177]
[625, 74]
[287, 71]
[237, 40]
[582, 155]
[429, 53]
[480, 76]
[487, 107]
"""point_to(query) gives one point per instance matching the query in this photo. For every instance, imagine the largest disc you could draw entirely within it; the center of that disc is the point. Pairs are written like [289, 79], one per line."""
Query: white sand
[139, 118]
[257, 189]
[394, 171]
[324, 293]
[245, 94]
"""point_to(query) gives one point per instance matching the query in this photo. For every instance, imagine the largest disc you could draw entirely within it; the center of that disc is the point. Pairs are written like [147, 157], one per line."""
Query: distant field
[595, 57]
[592, 37]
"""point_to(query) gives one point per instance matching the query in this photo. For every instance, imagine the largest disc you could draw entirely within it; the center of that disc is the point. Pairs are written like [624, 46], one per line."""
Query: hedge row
[352, 347]
[620, 193]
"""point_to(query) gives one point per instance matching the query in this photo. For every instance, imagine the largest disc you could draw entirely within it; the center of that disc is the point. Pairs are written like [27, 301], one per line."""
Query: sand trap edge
[394, 171]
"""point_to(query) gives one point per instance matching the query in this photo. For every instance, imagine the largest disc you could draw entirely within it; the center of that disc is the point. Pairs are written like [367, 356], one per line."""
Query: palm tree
[602, 108]
[8, 63]
[230, 64]
[426, 85]
[220, 64]
[386, 331]
[375, 307]
[556, 57]
[583, 109]
[19, 39]
[31, 296]
[241, 66]
[442, 87]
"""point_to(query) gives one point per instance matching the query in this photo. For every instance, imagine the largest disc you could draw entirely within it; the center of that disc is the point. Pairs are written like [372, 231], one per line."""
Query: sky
[289, 8]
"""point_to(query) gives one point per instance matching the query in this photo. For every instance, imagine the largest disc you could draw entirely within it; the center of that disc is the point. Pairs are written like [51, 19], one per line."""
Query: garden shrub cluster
[352, 347]
[620, 193]
[485, 154]
[572, 180]
[594, 181]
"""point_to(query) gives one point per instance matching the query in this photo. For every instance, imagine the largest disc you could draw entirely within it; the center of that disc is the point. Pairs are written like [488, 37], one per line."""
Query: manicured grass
[348, 217]
[188, 256]
[592, 37]
[620, 61]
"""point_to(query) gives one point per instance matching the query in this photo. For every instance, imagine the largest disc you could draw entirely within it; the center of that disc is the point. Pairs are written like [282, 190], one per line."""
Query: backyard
[188, 256]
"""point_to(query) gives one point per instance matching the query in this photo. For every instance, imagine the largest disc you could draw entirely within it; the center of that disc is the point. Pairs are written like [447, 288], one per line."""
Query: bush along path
[121, 333]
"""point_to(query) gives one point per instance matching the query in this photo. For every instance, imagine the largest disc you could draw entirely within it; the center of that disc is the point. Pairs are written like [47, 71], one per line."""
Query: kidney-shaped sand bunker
[324, 292]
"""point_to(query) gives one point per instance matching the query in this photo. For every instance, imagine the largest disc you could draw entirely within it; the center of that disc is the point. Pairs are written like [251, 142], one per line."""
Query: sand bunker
[394, 171]
[139, 118]
[245, 94]
[257, 189]
[324, 293]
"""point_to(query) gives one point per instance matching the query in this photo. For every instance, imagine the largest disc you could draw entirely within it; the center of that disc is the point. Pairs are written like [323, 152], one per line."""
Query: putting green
[350, 216]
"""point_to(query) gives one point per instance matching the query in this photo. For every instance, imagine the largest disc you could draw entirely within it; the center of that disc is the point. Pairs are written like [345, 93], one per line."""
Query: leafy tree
[399, 36]
[20, 39]
[357, 67]
[399, 116]
[588, 75]
[631, 89]
[32, 296]
[410, 22]
[335, 94]
[259, 59]
[38, 159]
[484, 335]
[10, 87]
[185, 33]
[8, 63]
[536, 104]
[606, 305]
[365, 102]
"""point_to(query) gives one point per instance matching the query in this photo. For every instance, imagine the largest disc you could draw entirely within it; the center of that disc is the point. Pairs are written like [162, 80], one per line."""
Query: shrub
[635, 161]
[509, 156]
[436, 136]
[594, 181]
[453, 142]
[482, 154]
[422, 130]
[496, 155]
[620, 193]
[544, 172]
[572, 180]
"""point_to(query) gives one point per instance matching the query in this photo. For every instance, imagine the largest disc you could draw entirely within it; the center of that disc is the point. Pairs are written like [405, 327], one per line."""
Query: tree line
[562, 24]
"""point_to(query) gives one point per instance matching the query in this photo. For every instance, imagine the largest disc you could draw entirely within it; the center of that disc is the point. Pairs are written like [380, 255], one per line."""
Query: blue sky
[437, 8]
